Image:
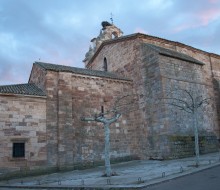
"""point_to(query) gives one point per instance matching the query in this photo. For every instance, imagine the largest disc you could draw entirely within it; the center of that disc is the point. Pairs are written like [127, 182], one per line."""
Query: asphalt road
[205, 180]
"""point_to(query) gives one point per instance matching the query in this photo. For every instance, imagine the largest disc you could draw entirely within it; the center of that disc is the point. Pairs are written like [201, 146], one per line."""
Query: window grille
[18, 150]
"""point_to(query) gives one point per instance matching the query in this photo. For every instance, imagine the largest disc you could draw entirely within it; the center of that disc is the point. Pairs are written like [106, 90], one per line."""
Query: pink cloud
[181, 28]
[213, 1]
[206, 16]
[201, 18]
[140, 30]
[67, 62]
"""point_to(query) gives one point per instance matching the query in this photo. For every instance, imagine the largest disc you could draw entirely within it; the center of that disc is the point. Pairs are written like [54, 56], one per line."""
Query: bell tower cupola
[108, 32]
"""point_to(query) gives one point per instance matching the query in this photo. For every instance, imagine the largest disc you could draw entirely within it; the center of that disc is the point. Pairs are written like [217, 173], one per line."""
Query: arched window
[105, 65]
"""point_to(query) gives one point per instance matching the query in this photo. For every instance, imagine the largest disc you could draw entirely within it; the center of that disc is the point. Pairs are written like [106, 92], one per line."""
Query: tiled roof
[174, 54]
[63, 68]
[24, 89]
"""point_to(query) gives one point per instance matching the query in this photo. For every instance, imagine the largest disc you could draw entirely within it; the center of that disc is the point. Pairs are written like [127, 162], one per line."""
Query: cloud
[213, 1]
[60, 31]
[196, 15]
[140, 30]
[207, 16]
[10, 74]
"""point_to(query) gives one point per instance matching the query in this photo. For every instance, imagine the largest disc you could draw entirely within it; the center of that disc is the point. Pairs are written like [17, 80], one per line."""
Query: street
[207, 179]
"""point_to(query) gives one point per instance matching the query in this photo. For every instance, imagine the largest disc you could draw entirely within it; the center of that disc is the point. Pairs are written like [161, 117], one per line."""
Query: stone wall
[48, 81]
[22, 119]
[71, 141]
[120, 57]
[125, 58]
[165, 74]
[209, 73]
[51, 86]
[184, 145]
[215, 65]
[133, 59]
[152, 74]
[155, 126]
[89, 94]
[178, 75]
[37, 77]
[186, 74]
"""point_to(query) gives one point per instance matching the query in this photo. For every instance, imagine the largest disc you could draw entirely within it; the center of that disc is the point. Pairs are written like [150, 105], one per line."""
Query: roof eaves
[138, 35]
[81, 71]
[28, 89]
[173, 54]
[23, 95]
[191, 60]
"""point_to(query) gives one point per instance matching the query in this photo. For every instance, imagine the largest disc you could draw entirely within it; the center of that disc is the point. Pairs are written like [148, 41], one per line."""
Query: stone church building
[40, 122]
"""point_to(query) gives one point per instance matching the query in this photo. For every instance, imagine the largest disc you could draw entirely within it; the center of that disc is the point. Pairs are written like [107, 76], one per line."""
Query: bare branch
[204, 101]
[180, 107]
[121, 105]
[181, 101]
[191, 97]
[119, 99]
[188, 93]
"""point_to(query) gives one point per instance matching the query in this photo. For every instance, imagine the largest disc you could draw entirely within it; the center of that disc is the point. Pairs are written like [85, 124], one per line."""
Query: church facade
[40, 122]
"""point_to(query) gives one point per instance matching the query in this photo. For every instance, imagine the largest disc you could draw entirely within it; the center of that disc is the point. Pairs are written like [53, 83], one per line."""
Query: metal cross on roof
[111, 18]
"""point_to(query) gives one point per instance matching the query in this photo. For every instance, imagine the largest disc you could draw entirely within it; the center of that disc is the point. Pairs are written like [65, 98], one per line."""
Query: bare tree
[189, 102]
[122, 105]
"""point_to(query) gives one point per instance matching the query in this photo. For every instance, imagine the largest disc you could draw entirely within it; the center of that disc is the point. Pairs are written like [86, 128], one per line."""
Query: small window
[105, 66]
[18, 150]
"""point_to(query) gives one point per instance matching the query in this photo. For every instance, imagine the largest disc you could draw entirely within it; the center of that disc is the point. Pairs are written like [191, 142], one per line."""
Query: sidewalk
[130, 175]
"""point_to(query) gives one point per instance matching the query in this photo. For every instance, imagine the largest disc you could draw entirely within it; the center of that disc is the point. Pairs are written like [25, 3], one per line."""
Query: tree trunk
[195, 123]
[108, 170]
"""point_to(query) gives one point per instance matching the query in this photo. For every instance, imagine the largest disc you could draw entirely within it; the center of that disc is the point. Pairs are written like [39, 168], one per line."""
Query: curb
[119, 187]
[179, 175]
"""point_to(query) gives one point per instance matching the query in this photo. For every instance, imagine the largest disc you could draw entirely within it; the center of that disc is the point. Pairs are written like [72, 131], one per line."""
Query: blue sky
[59, 31]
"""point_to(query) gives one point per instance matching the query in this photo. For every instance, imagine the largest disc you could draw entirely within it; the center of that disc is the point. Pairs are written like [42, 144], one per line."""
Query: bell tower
[108, 32]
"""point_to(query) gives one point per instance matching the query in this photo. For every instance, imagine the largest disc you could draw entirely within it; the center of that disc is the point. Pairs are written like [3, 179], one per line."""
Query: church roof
[174, 54]
[146, 36]
[63, 68]
[23, 89]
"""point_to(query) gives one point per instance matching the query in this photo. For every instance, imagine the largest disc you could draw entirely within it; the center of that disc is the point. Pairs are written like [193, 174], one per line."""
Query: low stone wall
[184, 146]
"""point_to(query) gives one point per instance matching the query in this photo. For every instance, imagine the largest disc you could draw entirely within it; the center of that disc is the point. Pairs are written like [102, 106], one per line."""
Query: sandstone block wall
[177, 74]
[120, 57]
[125, 58]
[37, 77]
[215, 65]
[51, 88]
[22, 119]
[152, 75]
[71, 141]
[89, 94]
[153, 137]
[184, 75]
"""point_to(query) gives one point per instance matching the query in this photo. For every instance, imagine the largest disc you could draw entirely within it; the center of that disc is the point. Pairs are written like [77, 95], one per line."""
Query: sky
[59, 31]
